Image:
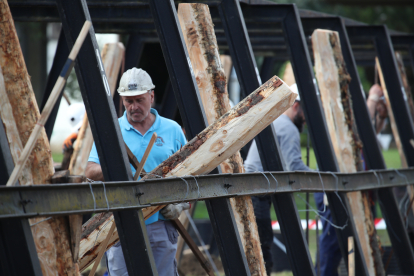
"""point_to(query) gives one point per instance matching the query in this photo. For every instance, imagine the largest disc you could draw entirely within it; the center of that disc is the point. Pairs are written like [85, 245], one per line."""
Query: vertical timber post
[372, 153]
[107, 135]
[248, 75]
[309, 94]
[194, 119]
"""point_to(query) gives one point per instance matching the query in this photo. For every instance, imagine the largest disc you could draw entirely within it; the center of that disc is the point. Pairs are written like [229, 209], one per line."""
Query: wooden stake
[351, 257]
[333, 80]
[198, 30]
[28, 148]
[145, 156]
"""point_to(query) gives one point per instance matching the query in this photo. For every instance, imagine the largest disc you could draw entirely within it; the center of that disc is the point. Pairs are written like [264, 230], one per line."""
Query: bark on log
[198, 31]
[20, 113]
[212, 146]
[112, 56]
[333, 80]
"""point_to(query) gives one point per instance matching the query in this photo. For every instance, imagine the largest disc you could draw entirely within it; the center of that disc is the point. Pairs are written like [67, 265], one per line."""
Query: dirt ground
[190, 266]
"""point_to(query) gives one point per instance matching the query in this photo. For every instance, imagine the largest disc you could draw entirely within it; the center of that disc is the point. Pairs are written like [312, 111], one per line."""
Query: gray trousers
[163, 238]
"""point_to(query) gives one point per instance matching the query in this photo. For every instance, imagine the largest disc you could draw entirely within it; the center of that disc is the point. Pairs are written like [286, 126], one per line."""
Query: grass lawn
[57, 157]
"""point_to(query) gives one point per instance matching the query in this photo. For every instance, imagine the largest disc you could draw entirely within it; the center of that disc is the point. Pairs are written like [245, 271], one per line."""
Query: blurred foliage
[72, 87]
[398, 18]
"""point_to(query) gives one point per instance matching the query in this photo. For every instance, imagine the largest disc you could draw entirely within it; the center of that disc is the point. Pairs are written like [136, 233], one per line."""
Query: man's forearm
[94, 171]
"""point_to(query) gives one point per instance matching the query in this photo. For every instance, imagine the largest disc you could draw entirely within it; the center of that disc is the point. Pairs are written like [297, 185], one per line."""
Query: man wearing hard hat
[287, 127]
[137, 125]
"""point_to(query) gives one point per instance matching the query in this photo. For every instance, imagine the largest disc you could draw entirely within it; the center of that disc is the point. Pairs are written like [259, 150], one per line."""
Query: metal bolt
[25, 201]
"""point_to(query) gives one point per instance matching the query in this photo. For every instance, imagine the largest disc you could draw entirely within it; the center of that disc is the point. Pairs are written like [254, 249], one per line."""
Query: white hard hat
[294, 88]
[76, 112]
[135, 82]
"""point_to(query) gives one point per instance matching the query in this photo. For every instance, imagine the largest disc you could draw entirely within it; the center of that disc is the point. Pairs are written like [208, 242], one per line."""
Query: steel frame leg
[247, 72]
[107, 135]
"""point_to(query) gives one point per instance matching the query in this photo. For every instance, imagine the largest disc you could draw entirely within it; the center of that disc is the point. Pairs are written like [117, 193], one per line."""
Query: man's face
[138, 107]
[299, 119]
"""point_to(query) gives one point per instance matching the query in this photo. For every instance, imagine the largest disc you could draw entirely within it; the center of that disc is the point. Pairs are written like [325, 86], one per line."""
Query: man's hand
[173, 211]
[68, 143]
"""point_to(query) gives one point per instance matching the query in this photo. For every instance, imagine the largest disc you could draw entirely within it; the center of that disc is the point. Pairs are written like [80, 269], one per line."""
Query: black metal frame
[227, 16]
[107, 135]
[249, 79]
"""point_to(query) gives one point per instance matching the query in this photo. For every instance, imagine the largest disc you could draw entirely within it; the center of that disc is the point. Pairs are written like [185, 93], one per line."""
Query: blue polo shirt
[170, 139]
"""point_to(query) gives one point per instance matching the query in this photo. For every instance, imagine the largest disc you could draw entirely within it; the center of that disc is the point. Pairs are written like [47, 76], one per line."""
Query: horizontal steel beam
[53, 200]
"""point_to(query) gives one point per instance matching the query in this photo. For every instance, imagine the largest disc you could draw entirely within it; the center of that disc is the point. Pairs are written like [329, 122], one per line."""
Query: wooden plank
[112, 56]
[198, 31]
[51, 236]
[210, 147]
[333, 80]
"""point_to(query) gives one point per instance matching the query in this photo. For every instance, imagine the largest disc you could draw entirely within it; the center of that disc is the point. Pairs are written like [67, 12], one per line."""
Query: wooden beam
[112, 56]
[51, 236]
[198, 31]
[210, 147]
[333, 80]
